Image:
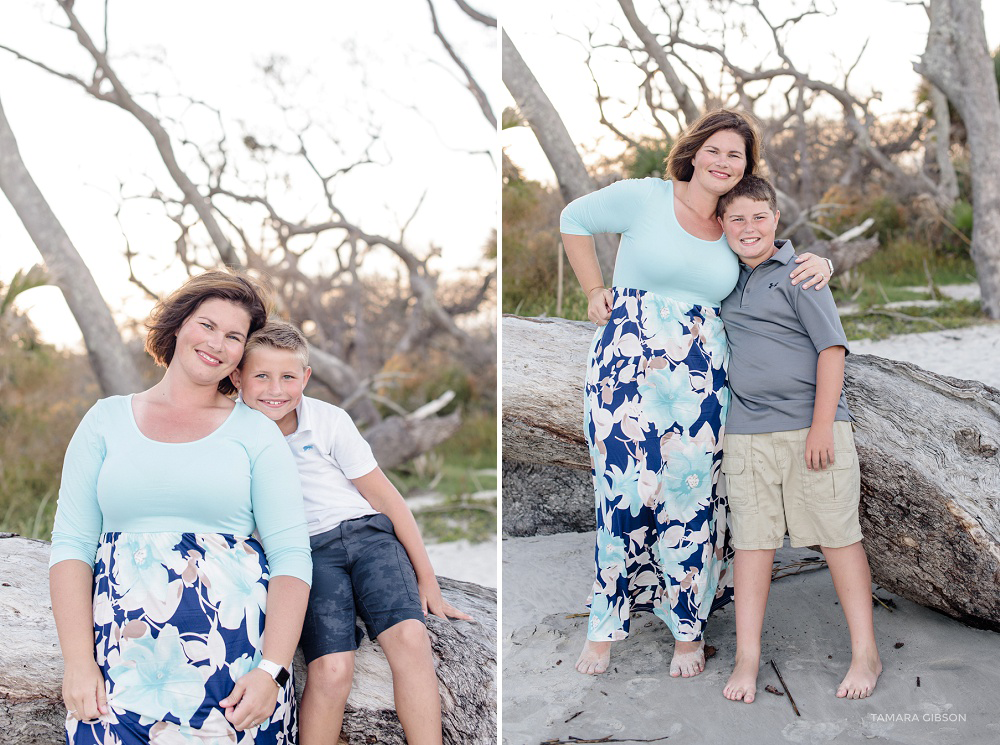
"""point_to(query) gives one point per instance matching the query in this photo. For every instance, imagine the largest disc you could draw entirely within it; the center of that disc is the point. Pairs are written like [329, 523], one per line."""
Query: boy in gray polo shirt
[788, 452]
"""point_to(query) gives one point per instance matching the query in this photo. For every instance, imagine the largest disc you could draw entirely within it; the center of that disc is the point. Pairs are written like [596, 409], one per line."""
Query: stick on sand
[782, 681]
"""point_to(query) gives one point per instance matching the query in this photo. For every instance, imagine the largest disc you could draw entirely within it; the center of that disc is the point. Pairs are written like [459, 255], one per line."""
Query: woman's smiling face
[210, 342]
[720, 163]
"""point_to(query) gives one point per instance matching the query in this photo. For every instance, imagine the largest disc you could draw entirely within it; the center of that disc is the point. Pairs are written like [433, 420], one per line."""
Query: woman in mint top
[180, 521]
[656, 396]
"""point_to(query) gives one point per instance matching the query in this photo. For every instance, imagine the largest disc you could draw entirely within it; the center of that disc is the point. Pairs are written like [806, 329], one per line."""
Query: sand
[469, 562]
[544, 698]
[970, 353]
[546, 579]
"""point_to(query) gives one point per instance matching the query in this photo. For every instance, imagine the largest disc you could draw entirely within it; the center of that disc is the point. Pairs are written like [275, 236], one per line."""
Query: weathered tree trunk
[32, 712]
[958, 62]
[574, 181]
[939, 149]
[114, 368]
[928, 445]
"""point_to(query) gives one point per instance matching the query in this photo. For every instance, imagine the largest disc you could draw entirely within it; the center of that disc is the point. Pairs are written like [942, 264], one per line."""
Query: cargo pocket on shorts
[739, 485]
[838, 485]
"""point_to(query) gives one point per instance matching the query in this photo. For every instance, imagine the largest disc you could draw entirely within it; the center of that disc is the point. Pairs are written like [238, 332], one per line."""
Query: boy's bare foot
[688, 659]
[742, 684]
[861, 677]
[594, 658]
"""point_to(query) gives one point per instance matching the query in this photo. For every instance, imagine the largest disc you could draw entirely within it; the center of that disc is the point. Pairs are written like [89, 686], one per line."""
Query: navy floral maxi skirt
[178, 619]
[654, 409]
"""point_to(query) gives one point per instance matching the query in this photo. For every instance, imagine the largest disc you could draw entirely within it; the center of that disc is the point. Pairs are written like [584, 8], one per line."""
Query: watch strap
[278, 673]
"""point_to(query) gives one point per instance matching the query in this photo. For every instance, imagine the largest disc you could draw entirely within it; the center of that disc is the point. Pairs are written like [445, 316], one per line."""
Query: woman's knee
[332, 674]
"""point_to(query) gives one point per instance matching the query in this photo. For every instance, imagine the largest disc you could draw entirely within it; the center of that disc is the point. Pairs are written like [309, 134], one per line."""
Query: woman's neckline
[135, 425]
[674, 199]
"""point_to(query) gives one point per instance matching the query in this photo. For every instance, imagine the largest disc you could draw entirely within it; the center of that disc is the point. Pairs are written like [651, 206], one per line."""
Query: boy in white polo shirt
[368, 557]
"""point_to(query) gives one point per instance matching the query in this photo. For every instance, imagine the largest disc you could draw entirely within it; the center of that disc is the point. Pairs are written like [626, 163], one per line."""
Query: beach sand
[469, 562]
[546, 579]
[971, 353]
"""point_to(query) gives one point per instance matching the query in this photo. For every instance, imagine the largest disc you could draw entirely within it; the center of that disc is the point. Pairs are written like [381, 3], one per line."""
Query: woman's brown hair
[233, 285]
[679, 162]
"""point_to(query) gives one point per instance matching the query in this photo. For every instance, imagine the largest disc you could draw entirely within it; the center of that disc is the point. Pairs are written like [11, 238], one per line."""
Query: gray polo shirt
[776, 332]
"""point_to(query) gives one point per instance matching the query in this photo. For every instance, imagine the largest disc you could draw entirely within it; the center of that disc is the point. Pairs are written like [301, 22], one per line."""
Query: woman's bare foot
[742, 684]
[688, 659]
[861, 676]
[594, 658]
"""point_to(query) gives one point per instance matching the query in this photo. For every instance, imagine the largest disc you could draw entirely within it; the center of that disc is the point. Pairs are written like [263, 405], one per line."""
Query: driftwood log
[928, 446]
[849, 249]
[32, 711]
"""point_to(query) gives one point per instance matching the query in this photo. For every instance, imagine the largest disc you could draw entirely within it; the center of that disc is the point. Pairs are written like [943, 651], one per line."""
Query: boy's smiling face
[750, 227]
[271, 381]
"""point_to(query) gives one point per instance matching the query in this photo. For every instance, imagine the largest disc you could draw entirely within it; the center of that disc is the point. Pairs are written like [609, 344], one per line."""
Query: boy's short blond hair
[278, 335]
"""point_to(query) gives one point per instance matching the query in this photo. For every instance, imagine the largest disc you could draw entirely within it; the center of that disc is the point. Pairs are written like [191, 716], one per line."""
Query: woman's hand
[431, 600]
[814, 268]
[599, 303]
[252, 700]
[83, 690]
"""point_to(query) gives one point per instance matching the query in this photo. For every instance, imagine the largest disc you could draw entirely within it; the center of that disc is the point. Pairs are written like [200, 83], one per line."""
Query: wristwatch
[276, 671]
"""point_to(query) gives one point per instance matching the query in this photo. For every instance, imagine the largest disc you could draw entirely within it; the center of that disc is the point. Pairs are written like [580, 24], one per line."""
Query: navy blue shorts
[359, 569]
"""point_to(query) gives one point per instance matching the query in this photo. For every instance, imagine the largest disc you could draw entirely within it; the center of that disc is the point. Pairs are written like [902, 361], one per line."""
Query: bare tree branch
[486, 20]
[124, 100]
[657, 52]
[474, 88]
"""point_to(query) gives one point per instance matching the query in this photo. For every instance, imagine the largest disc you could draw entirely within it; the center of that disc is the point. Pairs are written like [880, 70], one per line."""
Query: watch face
[282, 677]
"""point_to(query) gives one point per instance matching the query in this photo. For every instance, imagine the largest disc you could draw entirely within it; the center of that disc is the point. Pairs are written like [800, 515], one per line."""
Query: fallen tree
[928, 446]
[32, 711]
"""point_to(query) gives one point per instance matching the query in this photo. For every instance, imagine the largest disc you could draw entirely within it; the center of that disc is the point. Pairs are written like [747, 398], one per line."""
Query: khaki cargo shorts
[771, 490]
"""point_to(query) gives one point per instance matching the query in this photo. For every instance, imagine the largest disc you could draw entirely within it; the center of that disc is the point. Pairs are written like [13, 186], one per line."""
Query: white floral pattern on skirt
[654, 409]
[178, 619]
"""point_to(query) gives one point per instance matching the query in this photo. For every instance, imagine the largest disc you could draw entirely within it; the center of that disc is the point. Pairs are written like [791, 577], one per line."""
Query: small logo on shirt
[306, 447]
[772, 285]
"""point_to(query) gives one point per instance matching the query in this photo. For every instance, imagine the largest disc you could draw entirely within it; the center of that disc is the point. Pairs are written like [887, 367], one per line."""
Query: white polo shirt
[329, 451]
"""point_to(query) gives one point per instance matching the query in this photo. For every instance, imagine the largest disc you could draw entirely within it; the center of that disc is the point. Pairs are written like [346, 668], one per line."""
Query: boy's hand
[819, 448]
[431, 600]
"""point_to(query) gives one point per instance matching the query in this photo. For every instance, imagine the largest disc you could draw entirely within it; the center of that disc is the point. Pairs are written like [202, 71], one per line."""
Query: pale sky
[79, 149]
[547, 33]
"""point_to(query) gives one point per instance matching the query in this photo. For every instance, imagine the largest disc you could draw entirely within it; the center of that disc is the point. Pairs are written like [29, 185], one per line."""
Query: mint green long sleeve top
[656, 254]
[238, 479]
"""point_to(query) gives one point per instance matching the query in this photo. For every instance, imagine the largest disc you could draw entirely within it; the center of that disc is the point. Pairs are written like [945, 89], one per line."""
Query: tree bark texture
[957, 60]
[32, 711]
[542, 500]
[554, 139]
[113, 367]
[928, 446]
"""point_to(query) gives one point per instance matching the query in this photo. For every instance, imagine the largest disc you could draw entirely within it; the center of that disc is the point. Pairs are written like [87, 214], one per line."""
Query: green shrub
[647, 159]
[531, 242]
